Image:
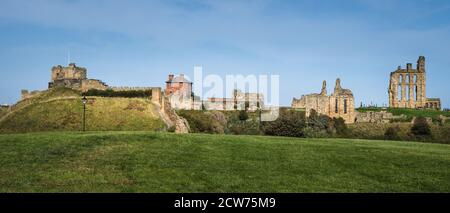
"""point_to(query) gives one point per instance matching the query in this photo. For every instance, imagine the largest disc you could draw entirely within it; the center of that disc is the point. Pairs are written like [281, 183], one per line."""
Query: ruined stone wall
[433, 103]
[89, 84]
[178, 101]
[342, 106]
[226, 104]
[25, 94]
[339, 104]
[71, 72]
[254, 101]
[407, 87]
[373, 117]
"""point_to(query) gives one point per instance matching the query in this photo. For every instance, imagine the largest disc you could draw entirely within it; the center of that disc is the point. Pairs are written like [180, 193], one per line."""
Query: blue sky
[137, 43]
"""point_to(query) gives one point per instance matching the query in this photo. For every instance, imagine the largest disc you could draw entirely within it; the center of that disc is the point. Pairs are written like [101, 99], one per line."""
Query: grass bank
[167, 162]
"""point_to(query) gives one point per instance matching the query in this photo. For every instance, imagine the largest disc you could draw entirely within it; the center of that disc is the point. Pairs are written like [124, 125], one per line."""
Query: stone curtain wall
[89, 84]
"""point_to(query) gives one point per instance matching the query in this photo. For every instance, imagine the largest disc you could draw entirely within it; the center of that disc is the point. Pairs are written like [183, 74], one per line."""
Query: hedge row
[123, 94]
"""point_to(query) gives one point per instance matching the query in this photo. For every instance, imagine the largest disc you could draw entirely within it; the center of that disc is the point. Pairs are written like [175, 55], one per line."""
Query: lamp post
[84, 99]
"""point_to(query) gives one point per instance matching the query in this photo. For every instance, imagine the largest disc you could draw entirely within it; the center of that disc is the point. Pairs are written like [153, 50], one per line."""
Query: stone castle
[340, 103]
[75, 78]
[407, 88]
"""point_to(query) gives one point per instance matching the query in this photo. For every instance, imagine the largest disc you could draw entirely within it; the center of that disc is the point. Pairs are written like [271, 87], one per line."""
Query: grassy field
[167, 162]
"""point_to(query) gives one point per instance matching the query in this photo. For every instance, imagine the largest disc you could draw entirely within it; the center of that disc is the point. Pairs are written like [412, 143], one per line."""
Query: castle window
[345, 106]
[336, 107]
[408, 97]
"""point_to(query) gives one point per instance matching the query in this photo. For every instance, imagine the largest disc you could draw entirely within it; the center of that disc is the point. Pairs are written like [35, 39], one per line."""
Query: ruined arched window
[336, 107]
[399, 92]
[415, 90]
[400, 79]
[407, 78]
[408, 97]
[345, 106]
[415, 78]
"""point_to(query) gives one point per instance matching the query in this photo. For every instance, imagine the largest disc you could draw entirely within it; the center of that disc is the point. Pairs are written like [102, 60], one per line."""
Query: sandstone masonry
[340, 103]
[407, 88]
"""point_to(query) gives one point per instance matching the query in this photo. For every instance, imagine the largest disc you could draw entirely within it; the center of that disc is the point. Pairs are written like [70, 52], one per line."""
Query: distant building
[339, 104]
[75, 78]
[178, 85]
[407, 88]
[239, 101]
[179, 91]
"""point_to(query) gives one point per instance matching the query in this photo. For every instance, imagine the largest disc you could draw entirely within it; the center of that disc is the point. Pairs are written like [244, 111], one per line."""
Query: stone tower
[407, 87]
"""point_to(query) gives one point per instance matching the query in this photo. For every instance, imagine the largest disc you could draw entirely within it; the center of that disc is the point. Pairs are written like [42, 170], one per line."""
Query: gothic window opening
[408, 97]
[345, 106]
[336, 107]
[415, 90]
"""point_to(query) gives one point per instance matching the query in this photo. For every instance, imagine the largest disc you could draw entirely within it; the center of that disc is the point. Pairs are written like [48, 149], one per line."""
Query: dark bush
[340, 126]
[289, 123]
[171, 129]
[421, 127]
[123, 94]
[392, 133]
[320, 121]
[318, 125]
[250, 127]
[243, 115]
[204, 121]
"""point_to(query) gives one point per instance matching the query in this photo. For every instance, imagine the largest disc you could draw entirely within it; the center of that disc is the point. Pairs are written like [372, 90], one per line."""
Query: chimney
[399, 67]
[170, 77]
[408, 67]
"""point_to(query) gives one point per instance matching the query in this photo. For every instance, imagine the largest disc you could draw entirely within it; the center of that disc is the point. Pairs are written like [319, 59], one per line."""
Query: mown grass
[167, 162]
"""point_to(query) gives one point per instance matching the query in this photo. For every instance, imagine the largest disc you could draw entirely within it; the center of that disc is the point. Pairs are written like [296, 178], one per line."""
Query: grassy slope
[165, 162]
[410, 112]
[61, 109]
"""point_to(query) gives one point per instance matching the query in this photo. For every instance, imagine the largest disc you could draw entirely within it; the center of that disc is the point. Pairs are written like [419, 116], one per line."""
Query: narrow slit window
[336, 106]
[345, 106]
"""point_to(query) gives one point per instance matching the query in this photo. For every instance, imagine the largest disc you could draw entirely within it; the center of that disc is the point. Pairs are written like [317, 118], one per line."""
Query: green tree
[421, 127]
[243, 115]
